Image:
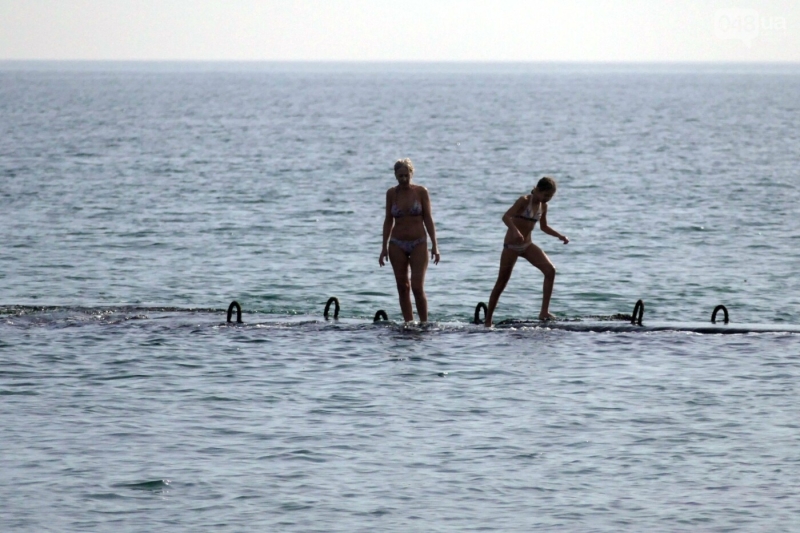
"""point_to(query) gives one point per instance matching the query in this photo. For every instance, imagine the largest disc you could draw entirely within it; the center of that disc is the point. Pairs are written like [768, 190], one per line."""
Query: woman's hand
[564, 239]
[435, 256]
[383, 257]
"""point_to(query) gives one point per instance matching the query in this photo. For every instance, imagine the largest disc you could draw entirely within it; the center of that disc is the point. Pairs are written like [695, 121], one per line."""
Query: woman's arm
[388, 224]
[547, 229]
[430, 226]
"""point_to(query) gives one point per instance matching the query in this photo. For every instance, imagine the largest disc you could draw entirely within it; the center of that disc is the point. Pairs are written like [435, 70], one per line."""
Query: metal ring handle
[238, 311]
[716, 310]
[332, 300]
[640, 308]
[477, 318]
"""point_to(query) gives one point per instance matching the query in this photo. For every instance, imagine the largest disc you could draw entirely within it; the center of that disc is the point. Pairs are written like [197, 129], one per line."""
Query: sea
[138, 200]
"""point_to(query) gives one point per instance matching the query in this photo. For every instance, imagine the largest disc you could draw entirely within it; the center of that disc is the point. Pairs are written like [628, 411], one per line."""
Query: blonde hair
[546, 184]
[404, 163]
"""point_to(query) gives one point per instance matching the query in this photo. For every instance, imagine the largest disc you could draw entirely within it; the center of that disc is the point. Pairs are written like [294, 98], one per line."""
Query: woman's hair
[404, 163]
[546, 184]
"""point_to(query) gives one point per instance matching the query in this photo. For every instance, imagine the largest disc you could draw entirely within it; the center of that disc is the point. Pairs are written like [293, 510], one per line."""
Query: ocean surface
[138, 200]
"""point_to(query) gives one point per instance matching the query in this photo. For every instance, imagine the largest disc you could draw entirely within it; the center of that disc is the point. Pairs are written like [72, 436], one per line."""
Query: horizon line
[405, 67]
[418, 61]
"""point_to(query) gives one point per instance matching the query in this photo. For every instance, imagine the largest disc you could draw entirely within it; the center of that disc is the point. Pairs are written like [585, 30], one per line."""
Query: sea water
[138, 200]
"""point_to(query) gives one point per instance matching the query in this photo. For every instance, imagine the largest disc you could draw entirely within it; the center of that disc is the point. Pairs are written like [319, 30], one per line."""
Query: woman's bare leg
[419, 265]
[507, 261]
[539, 259]
[400, 262]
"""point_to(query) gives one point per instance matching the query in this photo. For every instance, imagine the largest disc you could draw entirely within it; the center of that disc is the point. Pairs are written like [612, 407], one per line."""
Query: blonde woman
[406, 227]
[520, 219]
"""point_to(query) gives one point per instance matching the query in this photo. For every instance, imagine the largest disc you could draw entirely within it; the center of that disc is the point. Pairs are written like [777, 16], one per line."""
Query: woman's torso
[525, 220]
[407, 210]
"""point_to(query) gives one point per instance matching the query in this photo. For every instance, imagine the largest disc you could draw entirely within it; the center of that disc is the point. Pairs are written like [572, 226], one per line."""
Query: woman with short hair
[406, 227]
[521, 219]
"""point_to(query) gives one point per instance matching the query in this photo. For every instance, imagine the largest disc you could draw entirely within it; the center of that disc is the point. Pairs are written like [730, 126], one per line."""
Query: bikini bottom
[518, 248]
[407, 246]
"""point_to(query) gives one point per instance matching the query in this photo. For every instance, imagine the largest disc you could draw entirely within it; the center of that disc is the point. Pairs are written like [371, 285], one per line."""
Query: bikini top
[415, 211]
[529, 215]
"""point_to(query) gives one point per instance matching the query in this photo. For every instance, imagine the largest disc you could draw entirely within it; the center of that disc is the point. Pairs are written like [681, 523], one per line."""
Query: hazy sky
[429, 30]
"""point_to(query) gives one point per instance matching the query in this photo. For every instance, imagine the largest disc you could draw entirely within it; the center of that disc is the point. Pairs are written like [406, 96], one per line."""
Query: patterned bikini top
[529, 215]
[415, 211]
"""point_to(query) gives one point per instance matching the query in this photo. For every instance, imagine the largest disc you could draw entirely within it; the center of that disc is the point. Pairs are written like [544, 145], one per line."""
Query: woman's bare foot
[546, 316]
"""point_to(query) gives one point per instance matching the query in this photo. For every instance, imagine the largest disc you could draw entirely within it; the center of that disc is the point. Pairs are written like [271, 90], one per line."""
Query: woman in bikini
[521, 219]
[408, 216]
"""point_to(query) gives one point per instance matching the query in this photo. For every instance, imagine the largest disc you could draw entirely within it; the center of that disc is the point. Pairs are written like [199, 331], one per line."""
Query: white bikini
[530, 216]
